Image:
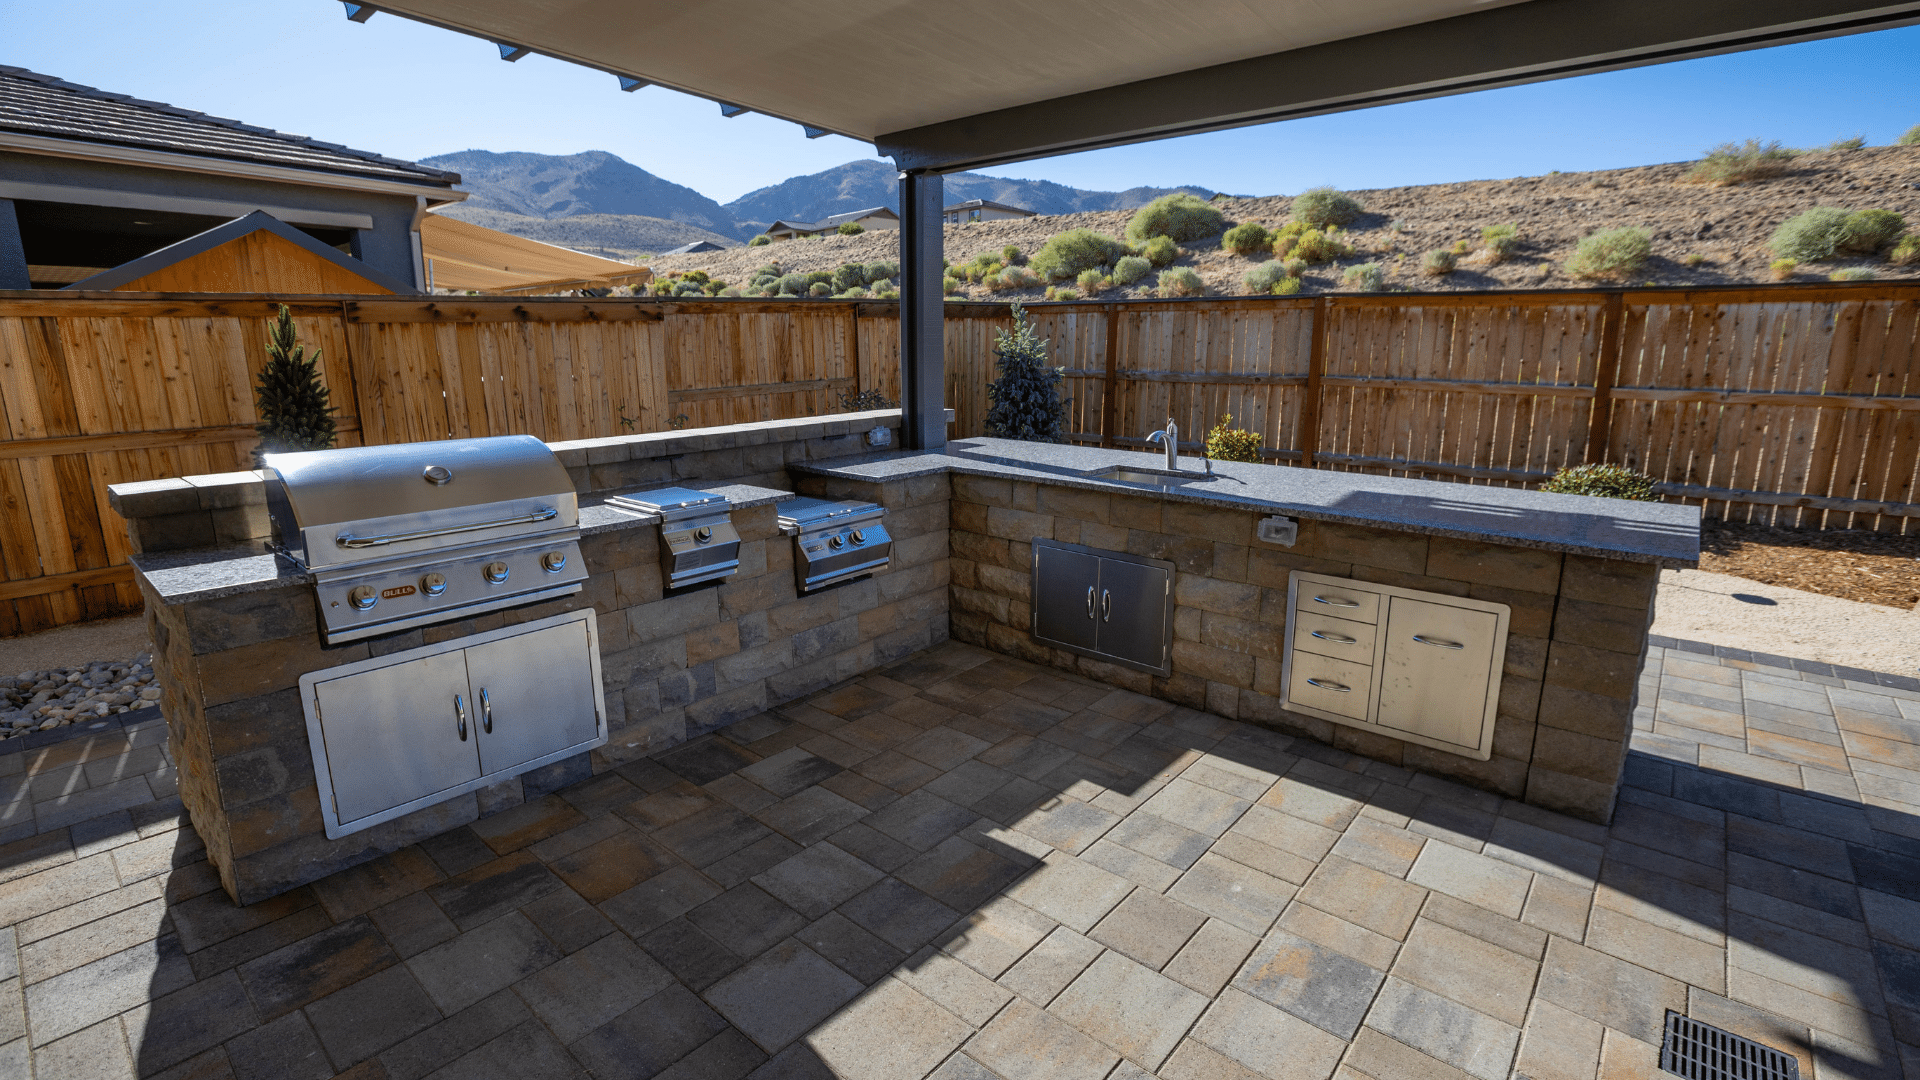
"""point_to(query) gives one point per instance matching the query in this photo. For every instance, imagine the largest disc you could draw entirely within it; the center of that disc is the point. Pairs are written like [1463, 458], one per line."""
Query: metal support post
[922, 315]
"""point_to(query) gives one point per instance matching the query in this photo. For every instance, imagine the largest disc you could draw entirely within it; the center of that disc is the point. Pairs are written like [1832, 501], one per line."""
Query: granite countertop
[1666, 534]
[182, 577]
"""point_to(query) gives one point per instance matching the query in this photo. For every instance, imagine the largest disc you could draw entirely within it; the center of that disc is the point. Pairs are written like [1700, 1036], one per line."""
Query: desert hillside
[1726, 228]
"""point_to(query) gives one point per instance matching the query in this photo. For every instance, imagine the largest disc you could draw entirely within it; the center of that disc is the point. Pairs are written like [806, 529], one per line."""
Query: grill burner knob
[836, 542]
[553, 561]
[859, 537]
[496, 572]
[362, 597]
[434, 583]
[702, 535]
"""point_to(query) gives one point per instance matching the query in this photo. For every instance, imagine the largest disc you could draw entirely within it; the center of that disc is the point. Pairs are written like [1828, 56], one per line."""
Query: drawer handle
[460, 714]
[486, 712]
[1425, 640]
[1335, 602]
[1106, 605]
[1089, 601]
[1337, 639]
[1333, 686]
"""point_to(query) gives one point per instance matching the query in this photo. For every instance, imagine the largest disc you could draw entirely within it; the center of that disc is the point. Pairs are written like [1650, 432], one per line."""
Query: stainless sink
[1129, 474]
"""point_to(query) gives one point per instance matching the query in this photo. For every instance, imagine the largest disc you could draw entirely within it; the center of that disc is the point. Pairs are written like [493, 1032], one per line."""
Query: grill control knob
[433, 584]
[836, 542]
[553, 561]
[362, 597]
[495, 572]
[859, 537]
[702, 535]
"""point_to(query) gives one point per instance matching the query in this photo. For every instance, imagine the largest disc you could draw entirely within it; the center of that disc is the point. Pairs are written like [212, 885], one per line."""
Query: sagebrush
[1324, 206]
[1740, 163]
[1247, 238]
[1366, 277]
[1181, 281]
[1180, 217]
[1067, 254]
[1611, 253]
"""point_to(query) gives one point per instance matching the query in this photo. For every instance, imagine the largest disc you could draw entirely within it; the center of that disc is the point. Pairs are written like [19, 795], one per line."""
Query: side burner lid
[806, 512]
[671, 500]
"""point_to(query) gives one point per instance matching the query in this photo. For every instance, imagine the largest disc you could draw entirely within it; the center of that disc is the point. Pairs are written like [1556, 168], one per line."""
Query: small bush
[1852, 273]
[848, 275]
[794, 283]
[1130, 268]
[1296, 267]
[1500, 241]
[1611, 253]
[1181, 217]
[1286, 286]
[1160, 251]
[1323, 206]
[1232, 444]
[1696, 259]
[1602, 481]
[1843, 145]
[1439, 263]
[1460, 247]
[887, 293]
[698, 277]
[1738, 163]
[1181, 281]
[881, 286]
[855, 293]
[949, 285]
[1911, 138]
[1025, 396]
[731, 291]
[1064, 294]
[1017, 277]
[1067, 254]
[760, 241]
[1247, 238]
[1091, 282]
[879, 271]
[1011, 256]
[1782, 269]
[1906, 252]
[820, 288]
[1867, 231]
[1314, 247]
[815, 277]
[1366, 277]
[1262, 278]
[1810, 236]
[851, 228]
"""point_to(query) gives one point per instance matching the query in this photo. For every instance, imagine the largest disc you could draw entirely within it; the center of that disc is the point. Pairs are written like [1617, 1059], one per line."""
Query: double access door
[396, 733]
[1104, 604]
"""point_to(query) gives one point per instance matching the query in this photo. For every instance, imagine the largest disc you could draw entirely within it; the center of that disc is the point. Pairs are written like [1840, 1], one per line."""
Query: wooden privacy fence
[1795, 404]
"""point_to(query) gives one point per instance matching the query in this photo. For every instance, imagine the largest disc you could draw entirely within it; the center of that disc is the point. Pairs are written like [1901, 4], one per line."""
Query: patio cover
[468, 256]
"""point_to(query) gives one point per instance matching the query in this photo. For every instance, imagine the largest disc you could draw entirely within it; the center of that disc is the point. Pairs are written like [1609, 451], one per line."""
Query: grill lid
[808, 513]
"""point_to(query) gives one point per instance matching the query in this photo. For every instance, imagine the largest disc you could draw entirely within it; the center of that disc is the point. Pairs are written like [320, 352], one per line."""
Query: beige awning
[462, 255]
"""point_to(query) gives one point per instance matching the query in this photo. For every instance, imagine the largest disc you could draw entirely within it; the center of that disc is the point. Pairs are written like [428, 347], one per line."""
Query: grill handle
[348, 540]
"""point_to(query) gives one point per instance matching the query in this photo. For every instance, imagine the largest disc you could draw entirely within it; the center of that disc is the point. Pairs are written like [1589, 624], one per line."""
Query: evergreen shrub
[1906, 252]
[1011, 256]
[1867, 231]
[1811, 236]
[794, 283]
[1180, 217]
[848, 275]
[291, 400]
[1911, 138]
[1287, 286]
[1064, 294]
[1604, 481]
[1500, 241]
[883, 270]
[1025, 396]
[1262, 278]
[1314, 246]
[1090, 282]
[819, 288]
[1852, 273]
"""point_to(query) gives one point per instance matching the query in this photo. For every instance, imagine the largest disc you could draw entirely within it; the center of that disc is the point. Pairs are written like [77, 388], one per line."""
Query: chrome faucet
[1171, 438]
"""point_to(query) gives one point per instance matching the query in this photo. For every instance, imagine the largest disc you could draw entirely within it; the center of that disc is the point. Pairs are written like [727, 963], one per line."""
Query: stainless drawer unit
[835, 541]
[418, 533]
[1104, 604]
[697, 539]
[1422, 667]
[397, 733]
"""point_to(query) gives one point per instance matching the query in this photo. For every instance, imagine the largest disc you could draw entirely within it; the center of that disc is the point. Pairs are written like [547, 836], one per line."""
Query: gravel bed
[44, 700]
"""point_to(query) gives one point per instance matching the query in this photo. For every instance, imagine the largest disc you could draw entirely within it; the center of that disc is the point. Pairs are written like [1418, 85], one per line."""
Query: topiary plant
[1160, 251]
[1604, 481]
[1366, 277]
[1611, 253]
[760, 241]
[1179, 216]
[1232, 444]
[1025, 396]
[1247, 238]
[1323, 206]
[1130, 268]
[291, 400]
[851, 228]
[1067, 254]
[1439, 263]
[1810, 236]
[1181, 281]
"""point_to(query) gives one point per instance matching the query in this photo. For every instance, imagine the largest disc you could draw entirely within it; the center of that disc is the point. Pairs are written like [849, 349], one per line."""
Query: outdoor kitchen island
[1294, 628]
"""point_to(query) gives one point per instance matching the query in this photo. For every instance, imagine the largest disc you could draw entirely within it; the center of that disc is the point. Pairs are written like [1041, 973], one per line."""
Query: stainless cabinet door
[1065, 590]
[533, 695]
[1133, 612]
[393, 734]
[1435, 670]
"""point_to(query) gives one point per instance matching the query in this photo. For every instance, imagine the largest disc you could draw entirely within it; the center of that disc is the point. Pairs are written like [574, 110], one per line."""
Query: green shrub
[1460, 247]
[1738, 163]
[1130, 268]
[291, 398]
[815, 277]
[854, 293]
[877, 271]
[1911, 138]
[688, 288]
[1247, 238]
[731, 291]
[1611, 253]
[819, 288]
[848, 275]
[794, 283]
[1439, 263]
[850, 228]
[1015, 277]
[1602, 481]
[1160, 251]
[1906, 252]
[1181, 281]
[1323, 206]
[698, 277]
[1262, 278]
[1696, 259]
[1843, 145]
[1182, 217]
[1314, 247]
[1500, 241]
[1810, 236]
[1867, 231]
[1366, 277]
[1232, 444]
[1782, 269]
[1070, 252]
[1064, 294]
[760, 241]
[1011, 256]
[1091, 282]
[1296, 267]
[1852, 273]
[1025, 396]
[884, 285]
[1286, 286]
[886, 294]
[949, 285]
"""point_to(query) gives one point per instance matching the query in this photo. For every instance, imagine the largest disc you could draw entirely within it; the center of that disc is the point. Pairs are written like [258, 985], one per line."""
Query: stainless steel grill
[835, 541]
[417, 533]
[697, 539]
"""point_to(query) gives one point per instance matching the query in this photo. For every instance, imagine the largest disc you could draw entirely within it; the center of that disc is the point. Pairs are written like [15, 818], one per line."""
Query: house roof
[988, 204]
[220, 234]
[695, 247]
[469, 256]
[41, 105]
[835, 221]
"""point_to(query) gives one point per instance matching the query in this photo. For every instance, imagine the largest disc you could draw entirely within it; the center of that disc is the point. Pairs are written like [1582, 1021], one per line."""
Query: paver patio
[969, 866]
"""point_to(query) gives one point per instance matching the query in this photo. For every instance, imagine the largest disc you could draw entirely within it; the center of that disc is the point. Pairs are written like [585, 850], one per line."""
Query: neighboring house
[874, 217]
[257, 253]
[91, 180]
[695, 248]
[983, 210]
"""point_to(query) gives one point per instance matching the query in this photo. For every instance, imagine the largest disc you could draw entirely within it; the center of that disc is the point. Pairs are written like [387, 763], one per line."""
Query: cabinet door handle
[1327, 685]
[1106, 605]
[460, 714]
[1089, 601]
[486, 712]
[1335, 602]
[1425, 640]
[1338, 639]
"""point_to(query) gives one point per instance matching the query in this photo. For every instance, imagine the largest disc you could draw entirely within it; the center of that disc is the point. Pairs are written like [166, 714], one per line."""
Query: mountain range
[598, 202]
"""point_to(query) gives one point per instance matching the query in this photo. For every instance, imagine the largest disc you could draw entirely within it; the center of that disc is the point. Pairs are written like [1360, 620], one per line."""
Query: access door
[1436, 671]
[533, 695]
[1134, 602]
[397, 733]
[1066, 596]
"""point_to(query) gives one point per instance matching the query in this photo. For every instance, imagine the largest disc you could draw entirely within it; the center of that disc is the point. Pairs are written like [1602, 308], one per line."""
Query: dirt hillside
[1727, 226]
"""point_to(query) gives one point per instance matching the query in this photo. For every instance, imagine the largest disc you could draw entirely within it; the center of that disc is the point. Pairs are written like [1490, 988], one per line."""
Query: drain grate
[1700, 1051]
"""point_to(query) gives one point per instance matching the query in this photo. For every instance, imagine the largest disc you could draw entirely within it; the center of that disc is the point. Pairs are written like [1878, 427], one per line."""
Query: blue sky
[411, 91]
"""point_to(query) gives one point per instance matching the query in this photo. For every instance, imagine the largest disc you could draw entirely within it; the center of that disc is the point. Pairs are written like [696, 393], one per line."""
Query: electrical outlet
[1279, 530]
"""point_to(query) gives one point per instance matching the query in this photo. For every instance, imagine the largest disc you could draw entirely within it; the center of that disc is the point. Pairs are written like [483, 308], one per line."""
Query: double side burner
[835, 541]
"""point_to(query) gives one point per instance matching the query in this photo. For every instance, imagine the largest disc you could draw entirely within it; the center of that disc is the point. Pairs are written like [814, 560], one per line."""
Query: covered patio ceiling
[941, 88]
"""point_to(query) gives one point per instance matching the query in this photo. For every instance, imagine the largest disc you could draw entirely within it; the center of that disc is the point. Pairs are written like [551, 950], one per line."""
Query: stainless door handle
[1333, 686]
[1336, 602]
[1339, 639]
[1089, 601]
[460, 712]
[1425, 640]
[486, 712]
[1106, 605]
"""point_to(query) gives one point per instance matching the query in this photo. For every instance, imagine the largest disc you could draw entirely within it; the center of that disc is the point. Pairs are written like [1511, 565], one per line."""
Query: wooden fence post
[1316, 371]
[1109, 404]
[1606, 373]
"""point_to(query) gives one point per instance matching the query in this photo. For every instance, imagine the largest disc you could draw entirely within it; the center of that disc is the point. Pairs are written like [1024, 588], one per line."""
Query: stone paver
[977, 880]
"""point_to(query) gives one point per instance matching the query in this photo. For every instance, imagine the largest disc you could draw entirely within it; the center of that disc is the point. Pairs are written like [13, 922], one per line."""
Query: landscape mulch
[1872, 567]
